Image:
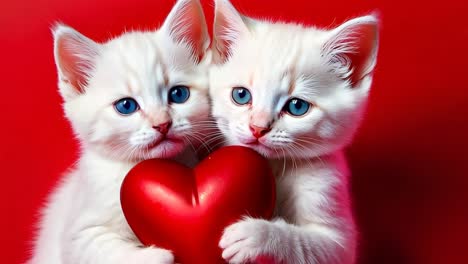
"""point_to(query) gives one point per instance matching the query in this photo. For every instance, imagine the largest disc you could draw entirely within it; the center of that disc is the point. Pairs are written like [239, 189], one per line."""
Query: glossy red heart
[174, 207]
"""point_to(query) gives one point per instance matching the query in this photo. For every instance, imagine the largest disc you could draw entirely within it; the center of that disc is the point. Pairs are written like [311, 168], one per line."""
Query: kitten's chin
[265, 151]
[168, 148]
[262, 148]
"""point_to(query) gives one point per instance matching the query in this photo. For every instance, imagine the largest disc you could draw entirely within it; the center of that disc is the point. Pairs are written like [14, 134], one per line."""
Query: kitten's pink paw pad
[244, 241]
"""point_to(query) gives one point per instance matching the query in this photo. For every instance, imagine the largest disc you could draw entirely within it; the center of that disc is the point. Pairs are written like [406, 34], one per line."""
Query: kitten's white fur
[278, 61]
[83, 222]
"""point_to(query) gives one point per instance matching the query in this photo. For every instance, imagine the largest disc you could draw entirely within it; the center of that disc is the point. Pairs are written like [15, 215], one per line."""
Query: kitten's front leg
[254, 240]
[99, 245]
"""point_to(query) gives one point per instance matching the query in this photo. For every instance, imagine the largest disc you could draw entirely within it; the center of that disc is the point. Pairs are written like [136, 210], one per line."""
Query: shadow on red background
[409, 160]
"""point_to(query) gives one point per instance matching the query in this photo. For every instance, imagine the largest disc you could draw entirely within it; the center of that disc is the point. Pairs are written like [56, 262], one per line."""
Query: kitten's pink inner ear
[74, 56]
[186, 23]
[358, 43]
[363, 59]
[221, 42]
[69, 64]
[228, 28]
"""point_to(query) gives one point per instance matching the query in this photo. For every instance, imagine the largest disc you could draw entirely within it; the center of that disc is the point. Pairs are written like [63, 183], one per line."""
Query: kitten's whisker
[302, 149]
[208, 134]
[199, 139]
[284, 162]
[213, 139]
[220, 143]
[311, 140]
[187, 139]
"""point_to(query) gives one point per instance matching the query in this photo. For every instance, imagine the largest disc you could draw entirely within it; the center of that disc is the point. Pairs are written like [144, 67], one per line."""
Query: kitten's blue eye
[241, 95]
[179, 94]
[126, 106]
[297, 107]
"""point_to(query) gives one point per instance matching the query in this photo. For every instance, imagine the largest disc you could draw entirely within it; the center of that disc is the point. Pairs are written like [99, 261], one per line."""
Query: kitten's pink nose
[259, 132]
[163, 128]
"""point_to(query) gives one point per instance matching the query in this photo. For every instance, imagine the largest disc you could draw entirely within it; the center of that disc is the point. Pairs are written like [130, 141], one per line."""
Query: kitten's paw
[244, 241]
[153, 255]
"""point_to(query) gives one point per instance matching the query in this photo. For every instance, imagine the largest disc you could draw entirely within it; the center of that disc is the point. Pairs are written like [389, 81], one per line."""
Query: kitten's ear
[228, 27]
[186, 23]
[352, 48]
[75, 56]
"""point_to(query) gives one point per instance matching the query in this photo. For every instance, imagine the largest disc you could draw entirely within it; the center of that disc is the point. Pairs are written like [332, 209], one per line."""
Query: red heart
[174, 207]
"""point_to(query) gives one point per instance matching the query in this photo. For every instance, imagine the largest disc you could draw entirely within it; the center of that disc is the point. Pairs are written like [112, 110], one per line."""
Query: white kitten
[141, 95]
[295, 94]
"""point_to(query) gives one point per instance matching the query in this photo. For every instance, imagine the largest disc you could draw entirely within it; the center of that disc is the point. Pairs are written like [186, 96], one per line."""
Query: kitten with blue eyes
[138, 96]
[296, 95]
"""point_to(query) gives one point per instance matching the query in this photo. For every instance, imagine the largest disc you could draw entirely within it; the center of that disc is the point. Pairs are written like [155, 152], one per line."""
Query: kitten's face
[275, 90]
[140, 66]
[145, 96]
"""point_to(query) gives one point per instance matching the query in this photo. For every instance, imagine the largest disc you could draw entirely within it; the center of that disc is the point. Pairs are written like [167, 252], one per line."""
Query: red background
[409, 160]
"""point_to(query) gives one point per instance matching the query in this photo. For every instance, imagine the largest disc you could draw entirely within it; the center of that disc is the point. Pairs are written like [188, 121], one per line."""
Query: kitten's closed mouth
[261, 148]
[253, 142]
[257, 143]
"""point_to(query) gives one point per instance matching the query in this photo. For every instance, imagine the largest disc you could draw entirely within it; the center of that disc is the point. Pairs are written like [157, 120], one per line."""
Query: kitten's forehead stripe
[292, 86]
[198, 88]
[292, 78]
[131, 87]
[147, 73]
[160, 75]
[154, 61]
[162, 68]
[283, 72]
